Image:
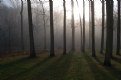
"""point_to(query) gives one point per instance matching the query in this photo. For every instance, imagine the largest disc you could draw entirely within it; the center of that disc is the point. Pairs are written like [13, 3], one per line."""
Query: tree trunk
[109, 38]
[22, 38]
[118, 30]
[44, 23]
[31, 36]
[52, 52]
[64, 27]
[93, 29]
[83, 47]
[80, 27]
[73, 28]
[9, 42]
[103, 20]
[90, 25]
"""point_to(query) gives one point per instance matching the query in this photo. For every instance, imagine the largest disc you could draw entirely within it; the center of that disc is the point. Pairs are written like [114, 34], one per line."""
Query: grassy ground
[73, 66]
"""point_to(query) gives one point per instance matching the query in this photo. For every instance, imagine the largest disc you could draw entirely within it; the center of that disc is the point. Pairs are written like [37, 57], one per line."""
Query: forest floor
[73, 66]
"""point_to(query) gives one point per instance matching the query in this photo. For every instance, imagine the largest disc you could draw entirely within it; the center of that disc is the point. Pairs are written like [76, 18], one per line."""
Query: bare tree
[103, 25]
[93, 28]
[80, 27]
[22, 38]
[72, 26]
[83, 47]
[44, 23]
[64, 27]
[52, 52]
[31, 36]
[109, 38]
[89, 24]
[14, 3]
[118, 29]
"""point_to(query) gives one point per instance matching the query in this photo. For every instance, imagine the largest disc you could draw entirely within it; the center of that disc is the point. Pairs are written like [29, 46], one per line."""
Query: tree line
[109, 20]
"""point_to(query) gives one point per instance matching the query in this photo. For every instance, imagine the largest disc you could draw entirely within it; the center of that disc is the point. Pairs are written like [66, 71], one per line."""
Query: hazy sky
[58, 6]
[6, 2]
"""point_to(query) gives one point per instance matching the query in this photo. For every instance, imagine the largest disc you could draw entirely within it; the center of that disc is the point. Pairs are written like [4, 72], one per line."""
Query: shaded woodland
[56, 42]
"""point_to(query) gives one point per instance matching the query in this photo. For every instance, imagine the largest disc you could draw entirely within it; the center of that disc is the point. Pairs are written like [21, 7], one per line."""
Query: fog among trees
[54, 27]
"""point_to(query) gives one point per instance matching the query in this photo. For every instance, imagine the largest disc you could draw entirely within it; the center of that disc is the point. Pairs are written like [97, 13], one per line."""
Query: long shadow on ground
[114, 70]
[97, 68]
[48, 69]
[117, 59]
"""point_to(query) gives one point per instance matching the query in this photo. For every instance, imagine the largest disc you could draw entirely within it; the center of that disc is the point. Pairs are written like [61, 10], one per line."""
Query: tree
[83, 47]
[44, 22]
[64, 27]
[21, 14]
[89, 24]
[80, 27]
[103, 21]
[93, 28]
[31, 36]
[118, 30]
[72, 26]
[52, 53]
[109, 38]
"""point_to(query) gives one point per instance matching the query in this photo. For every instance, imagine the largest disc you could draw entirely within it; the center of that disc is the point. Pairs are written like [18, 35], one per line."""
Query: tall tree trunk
[80, 27]
[109, 38]
[118, 30]
[52, 52]
[22, 38]
[103, 21]
[64, 27]
[83, 47]
[73, 28]
[31, 36]
[90, 25]
[44, 23]
[93, 28]
[9, 42]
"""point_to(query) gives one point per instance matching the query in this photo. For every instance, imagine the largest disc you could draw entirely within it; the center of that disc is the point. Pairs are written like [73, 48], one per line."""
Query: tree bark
[31, 36]
[52, 52]
[83, 47]
[109, 38]
[72, 25]
[103, 20]
[118, 30]
[90, 25]
[22, 38]
[93, 28]
[64, 27]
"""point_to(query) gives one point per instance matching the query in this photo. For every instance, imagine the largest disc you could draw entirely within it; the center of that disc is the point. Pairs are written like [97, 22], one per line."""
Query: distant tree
[72, 26]
[93, 28]
[14, 3]
[64, 27]
[13, 22]
[31, 36]
[109, 33]
[44, 23]
[83, 47]
[22, 38]
[9, 37]
[118, 29]
[89, 24]
[80, 27]
[103, 25]
[52, 52]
